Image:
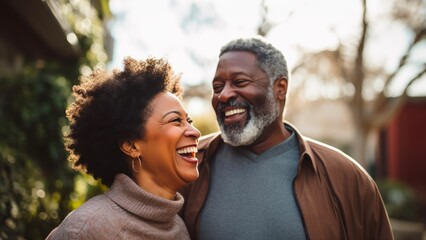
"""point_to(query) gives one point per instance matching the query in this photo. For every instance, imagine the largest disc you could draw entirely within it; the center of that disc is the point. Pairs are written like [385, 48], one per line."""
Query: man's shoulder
[336, 164]
[333, 158]
[322, 153]
[204, 141]
[326, 151]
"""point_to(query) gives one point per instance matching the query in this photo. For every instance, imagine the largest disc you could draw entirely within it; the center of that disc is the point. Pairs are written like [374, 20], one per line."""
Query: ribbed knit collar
[128, 195]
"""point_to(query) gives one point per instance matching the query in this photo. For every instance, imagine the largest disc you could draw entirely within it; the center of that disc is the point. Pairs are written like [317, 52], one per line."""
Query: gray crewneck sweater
[125, 211]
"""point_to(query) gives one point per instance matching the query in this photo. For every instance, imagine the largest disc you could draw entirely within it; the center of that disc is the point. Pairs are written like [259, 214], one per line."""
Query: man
[261, 178]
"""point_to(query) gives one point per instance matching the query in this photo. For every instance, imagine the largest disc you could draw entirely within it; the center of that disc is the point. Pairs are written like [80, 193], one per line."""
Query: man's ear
[129, 148]
[280, 88]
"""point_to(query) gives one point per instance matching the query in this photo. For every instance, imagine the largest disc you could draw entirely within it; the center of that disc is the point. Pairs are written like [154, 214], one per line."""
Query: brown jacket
[336, 197]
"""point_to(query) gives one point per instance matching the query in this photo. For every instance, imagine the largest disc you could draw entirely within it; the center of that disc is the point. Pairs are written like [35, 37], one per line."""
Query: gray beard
[258, 119]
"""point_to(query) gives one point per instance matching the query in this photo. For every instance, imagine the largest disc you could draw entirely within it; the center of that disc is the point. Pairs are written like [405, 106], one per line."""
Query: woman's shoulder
[89, 220]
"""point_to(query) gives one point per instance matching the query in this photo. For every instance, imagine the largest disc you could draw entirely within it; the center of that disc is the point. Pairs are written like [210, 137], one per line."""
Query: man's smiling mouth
[234, 112]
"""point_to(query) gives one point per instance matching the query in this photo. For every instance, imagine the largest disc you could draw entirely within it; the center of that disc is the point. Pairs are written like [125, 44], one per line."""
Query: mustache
[232, 103]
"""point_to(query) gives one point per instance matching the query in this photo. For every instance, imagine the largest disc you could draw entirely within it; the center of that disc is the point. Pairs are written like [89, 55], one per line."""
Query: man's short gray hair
[270, 59]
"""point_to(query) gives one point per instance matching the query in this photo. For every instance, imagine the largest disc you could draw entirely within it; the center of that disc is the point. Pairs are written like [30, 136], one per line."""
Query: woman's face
[169, 147]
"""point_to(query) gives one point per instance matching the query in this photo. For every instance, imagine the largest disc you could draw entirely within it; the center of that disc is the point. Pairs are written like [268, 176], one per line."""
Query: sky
[189, 33]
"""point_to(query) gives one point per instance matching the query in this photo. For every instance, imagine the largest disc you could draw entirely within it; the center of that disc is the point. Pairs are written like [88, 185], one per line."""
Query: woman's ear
[129, 148]
[280, 88]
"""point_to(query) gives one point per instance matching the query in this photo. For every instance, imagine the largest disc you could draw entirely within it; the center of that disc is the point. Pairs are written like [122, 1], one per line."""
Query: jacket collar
[307, 155]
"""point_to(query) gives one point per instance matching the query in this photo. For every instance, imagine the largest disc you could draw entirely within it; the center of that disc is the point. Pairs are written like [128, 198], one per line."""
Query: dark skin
[239, 77]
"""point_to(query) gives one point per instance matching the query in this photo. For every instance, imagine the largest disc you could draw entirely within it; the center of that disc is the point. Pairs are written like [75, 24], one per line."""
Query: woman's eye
[190, 121]
[176, 120]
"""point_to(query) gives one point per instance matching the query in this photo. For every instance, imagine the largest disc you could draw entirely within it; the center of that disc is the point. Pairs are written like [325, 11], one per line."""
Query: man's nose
[227, 93]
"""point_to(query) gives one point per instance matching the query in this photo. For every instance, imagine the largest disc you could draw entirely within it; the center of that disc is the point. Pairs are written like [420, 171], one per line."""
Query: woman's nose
[192, 131]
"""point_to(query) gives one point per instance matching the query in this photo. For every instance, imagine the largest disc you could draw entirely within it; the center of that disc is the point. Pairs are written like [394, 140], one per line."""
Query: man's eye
[240, 82]
[217, 88]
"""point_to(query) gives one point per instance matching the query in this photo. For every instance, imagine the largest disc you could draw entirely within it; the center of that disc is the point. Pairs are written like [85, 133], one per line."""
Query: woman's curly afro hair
[112, 107]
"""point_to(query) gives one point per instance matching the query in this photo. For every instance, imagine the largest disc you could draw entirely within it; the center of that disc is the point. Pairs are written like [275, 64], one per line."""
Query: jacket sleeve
[376, 219]
[354, 195]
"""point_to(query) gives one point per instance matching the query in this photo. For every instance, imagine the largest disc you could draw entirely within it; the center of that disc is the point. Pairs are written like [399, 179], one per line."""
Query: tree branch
[403, 61]
[381, 99]
[265, 25]
[357, 76]
[380, 118]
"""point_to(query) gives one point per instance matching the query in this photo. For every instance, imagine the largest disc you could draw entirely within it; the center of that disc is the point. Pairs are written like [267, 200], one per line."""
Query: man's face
[242, 98]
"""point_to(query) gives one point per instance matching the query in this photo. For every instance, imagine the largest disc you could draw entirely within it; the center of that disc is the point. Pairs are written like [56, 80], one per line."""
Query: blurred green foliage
[37, 186]
[400, 200]
[33, 174]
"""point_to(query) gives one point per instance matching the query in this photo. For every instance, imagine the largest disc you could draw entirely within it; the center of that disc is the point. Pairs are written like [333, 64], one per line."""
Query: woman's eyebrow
[171, 112]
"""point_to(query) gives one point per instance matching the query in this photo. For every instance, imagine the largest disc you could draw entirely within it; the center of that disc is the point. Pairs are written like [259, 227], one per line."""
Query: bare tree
[265, 25]
[351, 71]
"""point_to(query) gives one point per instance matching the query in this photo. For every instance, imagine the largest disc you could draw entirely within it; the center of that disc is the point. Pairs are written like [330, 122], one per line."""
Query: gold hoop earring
[133, 164]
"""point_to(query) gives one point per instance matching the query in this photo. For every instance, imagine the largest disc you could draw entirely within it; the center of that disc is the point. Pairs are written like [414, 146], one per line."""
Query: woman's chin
[189, 176]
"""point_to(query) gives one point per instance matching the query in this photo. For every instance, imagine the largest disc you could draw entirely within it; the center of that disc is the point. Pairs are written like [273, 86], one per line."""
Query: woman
[129, 129]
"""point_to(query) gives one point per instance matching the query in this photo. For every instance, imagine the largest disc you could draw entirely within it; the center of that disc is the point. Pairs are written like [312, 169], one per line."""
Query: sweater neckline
[128, 195]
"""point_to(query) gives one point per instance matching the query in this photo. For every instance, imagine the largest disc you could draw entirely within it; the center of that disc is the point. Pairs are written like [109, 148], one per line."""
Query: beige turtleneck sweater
[125, 211]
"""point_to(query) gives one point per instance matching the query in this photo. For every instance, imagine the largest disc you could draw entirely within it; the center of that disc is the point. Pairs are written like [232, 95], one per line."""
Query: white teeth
[187, 150]
[234, 111]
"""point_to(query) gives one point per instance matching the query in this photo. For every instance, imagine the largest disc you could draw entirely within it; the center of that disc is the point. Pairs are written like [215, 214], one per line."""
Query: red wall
[406, 148]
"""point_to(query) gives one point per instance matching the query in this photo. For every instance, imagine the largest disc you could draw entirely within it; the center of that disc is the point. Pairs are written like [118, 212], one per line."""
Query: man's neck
[271, 136]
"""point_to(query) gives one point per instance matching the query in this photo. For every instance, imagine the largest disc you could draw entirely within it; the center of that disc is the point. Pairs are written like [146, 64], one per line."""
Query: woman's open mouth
[188, 153]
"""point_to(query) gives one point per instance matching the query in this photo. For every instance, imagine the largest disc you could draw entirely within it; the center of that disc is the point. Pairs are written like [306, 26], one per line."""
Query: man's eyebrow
[234, 74]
